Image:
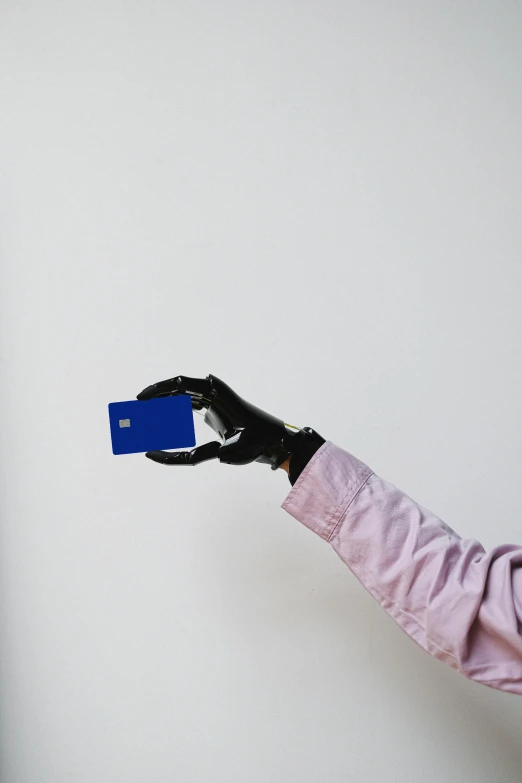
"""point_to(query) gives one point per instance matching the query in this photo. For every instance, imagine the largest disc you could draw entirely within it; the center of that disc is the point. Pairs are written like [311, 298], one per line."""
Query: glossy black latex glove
[247, 433]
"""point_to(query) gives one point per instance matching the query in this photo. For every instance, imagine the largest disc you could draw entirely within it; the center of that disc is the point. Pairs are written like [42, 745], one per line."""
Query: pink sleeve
[461, 604]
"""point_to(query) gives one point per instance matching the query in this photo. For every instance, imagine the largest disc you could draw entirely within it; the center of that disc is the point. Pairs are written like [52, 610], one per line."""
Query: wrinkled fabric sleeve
[461, 604]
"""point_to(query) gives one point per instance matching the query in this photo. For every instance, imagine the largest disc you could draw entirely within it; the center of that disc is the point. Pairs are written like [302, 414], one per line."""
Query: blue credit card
[152, 425]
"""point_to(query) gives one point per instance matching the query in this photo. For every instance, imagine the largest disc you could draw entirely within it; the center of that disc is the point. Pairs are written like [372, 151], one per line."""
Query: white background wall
[320, 203]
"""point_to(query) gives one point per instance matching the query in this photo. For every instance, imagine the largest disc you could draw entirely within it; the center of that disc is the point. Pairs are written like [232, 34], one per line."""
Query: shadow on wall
[284, 593]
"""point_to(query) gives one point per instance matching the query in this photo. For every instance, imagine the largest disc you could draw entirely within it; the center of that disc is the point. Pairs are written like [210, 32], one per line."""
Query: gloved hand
[248, 434]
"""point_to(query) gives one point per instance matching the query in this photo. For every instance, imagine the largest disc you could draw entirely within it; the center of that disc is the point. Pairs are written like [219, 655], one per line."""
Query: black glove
[248, 434]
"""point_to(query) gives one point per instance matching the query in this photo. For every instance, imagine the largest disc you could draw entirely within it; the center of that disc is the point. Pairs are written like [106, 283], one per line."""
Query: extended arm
[461, 604]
